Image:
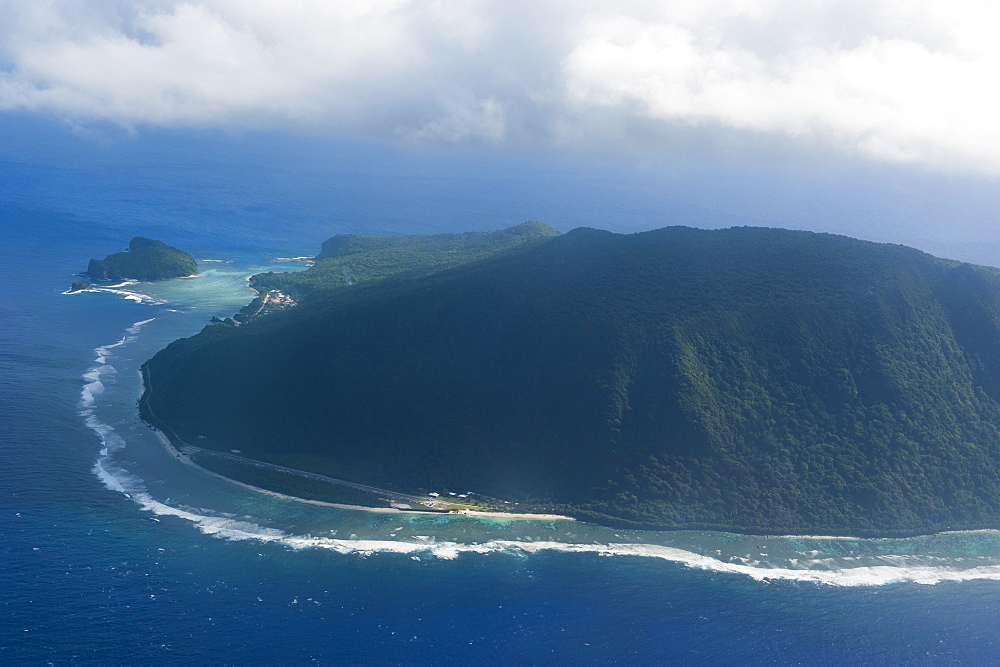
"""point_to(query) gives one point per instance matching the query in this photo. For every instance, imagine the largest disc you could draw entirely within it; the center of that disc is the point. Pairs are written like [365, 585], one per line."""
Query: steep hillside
[347, 259]
[145, 259]
[751, 379]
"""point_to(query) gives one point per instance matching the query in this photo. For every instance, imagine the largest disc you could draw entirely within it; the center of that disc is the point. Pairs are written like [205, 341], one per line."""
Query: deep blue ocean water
[112, 552]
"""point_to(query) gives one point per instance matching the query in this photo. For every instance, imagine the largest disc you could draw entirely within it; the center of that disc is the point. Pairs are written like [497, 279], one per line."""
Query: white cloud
[889, 79]
[886, 96]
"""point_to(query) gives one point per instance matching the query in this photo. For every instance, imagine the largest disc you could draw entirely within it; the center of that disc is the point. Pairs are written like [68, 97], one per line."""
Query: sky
[787, 97]
[910, 81]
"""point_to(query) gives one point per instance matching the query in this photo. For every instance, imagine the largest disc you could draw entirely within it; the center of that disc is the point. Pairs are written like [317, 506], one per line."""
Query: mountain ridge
[748, 379]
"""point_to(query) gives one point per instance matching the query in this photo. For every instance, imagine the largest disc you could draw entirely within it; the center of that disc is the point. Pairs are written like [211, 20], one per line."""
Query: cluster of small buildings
[278, 298]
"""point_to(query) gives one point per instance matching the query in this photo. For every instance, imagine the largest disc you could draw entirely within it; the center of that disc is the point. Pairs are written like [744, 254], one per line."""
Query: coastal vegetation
[748, 379]
[145, 259]
[348, 259]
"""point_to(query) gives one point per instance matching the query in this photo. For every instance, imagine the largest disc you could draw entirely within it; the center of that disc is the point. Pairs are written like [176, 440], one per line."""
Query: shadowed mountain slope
[750, 379]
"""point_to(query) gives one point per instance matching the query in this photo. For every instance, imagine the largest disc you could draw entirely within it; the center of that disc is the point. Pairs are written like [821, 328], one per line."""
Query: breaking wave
[895, 570]
[813, 564]
[94, 385]
[121, 289]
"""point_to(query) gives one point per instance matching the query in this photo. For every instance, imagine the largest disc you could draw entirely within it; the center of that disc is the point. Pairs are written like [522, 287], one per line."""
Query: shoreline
[186, 460]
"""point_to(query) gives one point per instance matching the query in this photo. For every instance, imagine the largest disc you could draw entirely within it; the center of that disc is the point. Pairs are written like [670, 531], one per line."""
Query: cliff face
[146, 259]
[751, 379]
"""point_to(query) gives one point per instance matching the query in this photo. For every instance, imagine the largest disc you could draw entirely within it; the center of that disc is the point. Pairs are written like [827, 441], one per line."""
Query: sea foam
[813, 566]
[925, 574]
[127, 294]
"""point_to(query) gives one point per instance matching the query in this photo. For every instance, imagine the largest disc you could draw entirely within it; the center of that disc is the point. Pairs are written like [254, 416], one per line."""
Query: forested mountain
[145, 259]
[750, 379]
[347, 259]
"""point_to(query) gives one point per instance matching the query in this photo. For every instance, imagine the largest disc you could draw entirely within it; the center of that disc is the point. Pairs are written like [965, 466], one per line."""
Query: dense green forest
[348, 259]
[750, 379]
[145, 259]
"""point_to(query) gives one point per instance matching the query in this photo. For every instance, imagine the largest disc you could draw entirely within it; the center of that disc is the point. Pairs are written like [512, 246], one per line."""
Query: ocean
[113, 552]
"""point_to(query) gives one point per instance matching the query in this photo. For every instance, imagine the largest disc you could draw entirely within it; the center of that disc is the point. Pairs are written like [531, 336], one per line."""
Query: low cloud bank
[890, 80]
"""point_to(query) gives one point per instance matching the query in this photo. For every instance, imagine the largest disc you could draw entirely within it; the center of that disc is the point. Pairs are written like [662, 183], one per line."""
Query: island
[747, 379]
[348, 259]
[145, 259]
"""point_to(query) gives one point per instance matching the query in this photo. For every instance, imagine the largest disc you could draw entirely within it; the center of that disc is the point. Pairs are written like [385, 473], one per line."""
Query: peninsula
[759, 380]
[145, 259]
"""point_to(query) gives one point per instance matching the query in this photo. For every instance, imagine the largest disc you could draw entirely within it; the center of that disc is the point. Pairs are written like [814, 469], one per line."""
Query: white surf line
[134, 329]
[232, 529]
[93, 387]
[137, 297]
[861, 576]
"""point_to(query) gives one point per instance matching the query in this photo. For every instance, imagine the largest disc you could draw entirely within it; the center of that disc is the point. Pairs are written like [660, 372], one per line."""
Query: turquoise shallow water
[130, 557]
[134, 463]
